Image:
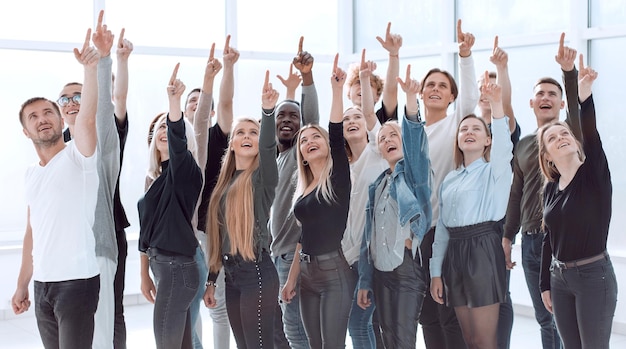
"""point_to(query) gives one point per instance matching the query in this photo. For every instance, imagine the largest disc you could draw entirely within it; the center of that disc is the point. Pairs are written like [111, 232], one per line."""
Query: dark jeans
[584, 300]
[65, 312]
[439, 323]
[360, 323]
[119, 330]
[400, 294]
[326, 290]
[531, 262]
[176, 278]
[251, 297]
[291, 319]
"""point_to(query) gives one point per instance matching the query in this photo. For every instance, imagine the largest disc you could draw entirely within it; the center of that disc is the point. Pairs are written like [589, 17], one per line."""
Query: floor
[21, 332]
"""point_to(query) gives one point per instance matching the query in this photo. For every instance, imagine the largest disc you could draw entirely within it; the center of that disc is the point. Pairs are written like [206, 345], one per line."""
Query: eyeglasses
[63, 101]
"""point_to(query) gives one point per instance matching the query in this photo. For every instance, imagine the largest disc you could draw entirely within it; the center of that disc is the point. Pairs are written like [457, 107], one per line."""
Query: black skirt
[474, 270]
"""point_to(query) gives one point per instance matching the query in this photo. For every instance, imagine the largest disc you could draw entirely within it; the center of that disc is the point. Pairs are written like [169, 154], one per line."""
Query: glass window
[60, 21]
[279, 26]
[417, 21]
[187, 23]
[485, 18]
[608, 92]
[607, 13]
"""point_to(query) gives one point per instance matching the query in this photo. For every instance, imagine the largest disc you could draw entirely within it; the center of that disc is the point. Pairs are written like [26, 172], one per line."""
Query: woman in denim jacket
[389, 264]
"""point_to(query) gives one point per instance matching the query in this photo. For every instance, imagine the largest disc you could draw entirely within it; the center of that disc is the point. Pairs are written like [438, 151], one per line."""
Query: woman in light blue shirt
[467, 252]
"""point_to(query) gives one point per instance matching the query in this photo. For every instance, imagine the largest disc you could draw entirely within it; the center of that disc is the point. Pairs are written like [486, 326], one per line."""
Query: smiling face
[287, 123]
[245, 139]
[354, 126]
[437, 91]
[313, 145]
[70, 111]
[390, 143]
[559, 142]
[160, 137]
[472, 135]
[42, 123]
[547, 103]
[191, 104]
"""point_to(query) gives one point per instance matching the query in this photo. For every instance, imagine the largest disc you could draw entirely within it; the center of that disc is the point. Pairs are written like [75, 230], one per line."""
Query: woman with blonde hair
[237, 227]
[166, 233]
[577, 280]
[321, 204]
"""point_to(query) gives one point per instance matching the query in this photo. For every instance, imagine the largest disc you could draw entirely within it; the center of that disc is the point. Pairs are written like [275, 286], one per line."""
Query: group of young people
[295, 235]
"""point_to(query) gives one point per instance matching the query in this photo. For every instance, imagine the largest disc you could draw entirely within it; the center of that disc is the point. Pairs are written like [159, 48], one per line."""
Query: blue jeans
[531, 262]
[360, 321]
[65, 312]
[584, 300]
[292, 320]
[177, 280]
[251, 296]
[194, 309]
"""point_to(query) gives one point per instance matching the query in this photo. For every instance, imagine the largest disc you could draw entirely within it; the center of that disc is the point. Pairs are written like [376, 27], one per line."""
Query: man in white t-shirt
[61, 190]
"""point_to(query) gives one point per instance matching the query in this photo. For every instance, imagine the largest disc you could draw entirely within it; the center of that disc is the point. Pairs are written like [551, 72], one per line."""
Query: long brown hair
[237, 217]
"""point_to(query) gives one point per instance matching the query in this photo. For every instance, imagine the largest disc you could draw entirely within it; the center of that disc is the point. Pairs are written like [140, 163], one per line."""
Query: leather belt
[580, 262]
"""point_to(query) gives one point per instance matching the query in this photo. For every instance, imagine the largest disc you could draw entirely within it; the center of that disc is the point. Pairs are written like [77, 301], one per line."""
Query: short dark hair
[454, 89]
[197, 89]
[30, 101]
[549, 80]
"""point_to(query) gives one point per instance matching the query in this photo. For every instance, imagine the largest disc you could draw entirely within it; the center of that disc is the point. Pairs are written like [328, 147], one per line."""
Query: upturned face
[42, 124]
[390, 144]
[437, 92]
[70, 110]
[287, 122]
[354, 126]
[473, 136]
[313, 146]
[245, 139]
[559, 143]
[547, 103]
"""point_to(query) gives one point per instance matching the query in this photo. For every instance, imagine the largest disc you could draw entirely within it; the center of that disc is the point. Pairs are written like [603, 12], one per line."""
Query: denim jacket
[410, 186]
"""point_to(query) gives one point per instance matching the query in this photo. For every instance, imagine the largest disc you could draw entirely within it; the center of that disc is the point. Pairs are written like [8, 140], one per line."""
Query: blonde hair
[549, 171]
[237, 217]
[347, 145]
[324, 187]
[389, 123]
[458, 154]
[154, 166]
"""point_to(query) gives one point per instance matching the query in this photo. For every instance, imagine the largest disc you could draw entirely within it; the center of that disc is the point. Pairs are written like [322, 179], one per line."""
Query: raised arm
[468, 86]
[367, 98]
[392, 43]
[120, 91]
[267, 137]
[337, 80]
[227, 88]
[20, 301]
[309, 101]
[108, 140]
[502, 148]
[85, 136]
[175, 90]
[500, 58]
[566, 58]
[203, 111]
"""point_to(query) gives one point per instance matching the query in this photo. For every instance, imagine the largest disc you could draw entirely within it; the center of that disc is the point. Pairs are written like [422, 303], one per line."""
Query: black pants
[399, 295]
[119, 330]
[439, 324]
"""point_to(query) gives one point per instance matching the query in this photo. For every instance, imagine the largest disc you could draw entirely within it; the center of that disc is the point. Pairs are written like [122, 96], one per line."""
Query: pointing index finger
[100, 18]
[227, 44]
[388, 29]
[495, 43]
[408, 74]
[267, 80]
[87, 39]
[459, 31]
[580, 62]
[120, 41]
[212, 52]
[174, 74]
[562, 44]
[335, 63]
[300, 44]
[486, 78]
[362, 58]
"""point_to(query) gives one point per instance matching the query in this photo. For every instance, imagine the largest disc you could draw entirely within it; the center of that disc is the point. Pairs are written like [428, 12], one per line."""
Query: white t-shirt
[62, 200]
[363, 172]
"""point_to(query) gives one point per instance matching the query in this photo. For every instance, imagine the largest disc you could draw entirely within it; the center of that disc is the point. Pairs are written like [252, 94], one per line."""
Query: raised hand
[338, 76]
[102, 37]
[409, 86]
[366, 68]
[87, 56]
[303, 61]
[270, 95]
[231, 55]
[491, 91]
[213, 65]
[175, 87]
[392, 42]
[465, 41]
[565, 56]
[586, 77]
[499, 57]
[291, 82]
[124, 47]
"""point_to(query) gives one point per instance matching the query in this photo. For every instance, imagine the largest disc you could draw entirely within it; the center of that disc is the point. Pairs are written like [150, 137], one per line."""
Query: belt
[322, 257]
[535, 231]
[580, 262]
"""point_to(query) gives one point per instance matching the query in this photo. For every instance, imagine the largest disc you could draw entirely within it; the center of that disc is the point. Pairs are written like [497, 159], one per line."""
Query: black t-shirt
[218, 143]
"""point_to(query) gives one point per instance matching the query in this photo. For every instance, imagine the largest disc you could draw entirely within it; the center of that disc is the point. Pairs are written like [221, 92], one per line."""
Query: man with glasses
[110, 217]
[58, 251]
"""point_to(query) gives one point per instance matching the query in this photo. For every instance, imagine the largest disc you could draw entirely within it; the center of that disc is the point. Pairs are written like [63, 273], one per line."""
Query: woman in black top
[237, 228]
[578, 283]
[166, 234]
[321, 205]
